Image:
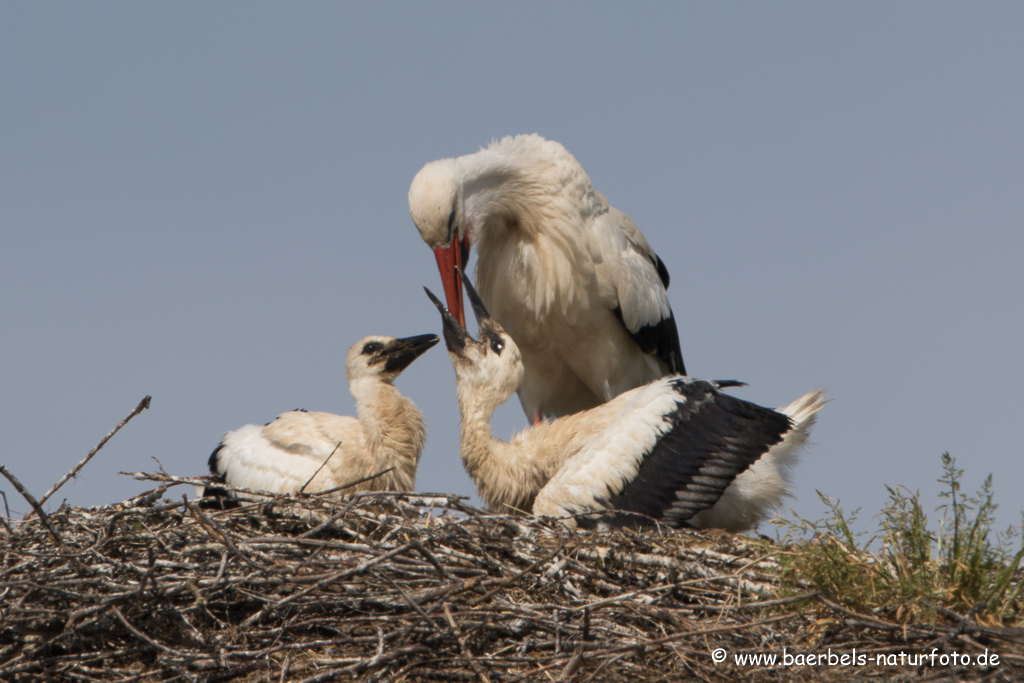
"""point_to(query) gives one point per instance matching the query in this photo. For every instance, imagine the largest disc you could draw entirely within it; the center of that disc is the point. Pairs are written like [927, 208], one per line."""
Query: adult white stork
[571, 279]
[676, 450]
[312, 451]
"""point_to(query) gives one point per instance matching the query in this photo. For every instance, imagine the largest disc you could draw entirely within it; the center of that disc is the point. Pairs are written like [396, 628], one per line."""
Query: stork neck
[394, 430]
[508, 477]
[478, 444]
[497, 195]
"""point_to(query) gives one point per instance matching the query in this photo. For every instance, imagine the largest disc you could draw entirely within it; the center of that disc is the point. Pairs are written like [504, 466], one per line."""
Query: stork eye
[372, 347]
[497, 345]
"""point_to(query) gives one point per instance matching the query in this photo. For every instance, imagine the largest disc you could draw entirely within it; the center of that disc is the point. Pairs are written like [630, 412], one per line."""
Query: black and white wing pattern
[636, 281]
[714, 438]
[675, 447]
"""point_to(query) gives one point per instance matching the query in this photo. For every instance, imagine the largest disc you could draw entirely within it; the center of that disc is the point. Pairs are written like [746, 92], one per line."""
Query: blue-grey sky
[206, 202]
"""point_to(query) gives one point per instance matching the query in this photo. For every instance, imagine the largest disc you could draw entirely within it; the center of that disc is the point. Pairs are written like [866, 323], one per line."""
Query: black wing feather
[660, 339]
[216, 497]
[714, 438]
[213, 461]
[662, 270]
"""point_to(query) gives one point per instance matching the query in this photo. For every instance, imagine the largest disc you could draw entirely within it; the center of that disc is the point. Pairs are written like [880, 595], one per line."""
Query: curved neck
[508, 477]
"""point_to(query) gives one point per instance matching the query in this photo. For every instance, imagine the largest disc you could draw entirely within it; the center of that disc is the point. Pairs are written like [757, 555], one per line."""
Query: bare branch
[33, 502]
[143, 404]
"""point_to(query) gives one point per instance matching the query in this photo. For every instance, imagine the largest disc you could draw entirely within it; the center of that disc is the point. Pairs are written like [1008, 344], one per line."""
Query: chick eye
[372, 347]
[497, 345]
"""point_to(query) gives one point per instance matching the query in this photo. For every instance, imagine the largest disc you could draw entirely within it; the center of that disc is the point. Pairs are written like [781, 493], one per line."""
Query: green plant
[976, 570]
[906, 570]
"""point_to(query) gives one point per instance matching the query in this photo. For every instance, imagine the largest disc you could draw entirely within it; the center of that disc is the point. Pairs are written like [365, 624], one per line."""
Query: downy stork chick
[677, 450]
[313, 451]
[570, 278]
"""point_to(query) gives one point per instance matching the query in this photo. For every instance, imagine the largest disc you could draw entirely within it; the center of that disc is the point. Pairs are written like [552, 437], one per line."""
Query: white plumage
[323, 451]
[571, 279]
[677, 449]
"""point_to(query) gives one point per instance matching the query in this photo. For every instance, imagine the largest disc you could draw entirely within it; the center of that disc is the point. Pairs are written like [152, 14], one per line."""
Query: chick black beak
[455, 335]
[474, 299]
[403, 352]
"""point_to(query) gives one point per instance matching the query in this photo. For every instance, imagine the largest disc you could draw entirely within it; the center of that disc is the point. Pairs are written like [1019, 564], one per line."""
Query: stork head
[384, 358]
[438, 211]
[491, 366]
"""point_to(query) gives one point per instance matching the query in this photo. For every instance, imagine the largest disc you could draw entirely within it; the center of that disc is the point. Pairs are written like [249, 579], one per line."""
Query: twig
[572, 666]
[863, 618]
[3, 520]
[607, 662]
[142, 636]
[432, 560]
[322, 465]
[412, 603]
[143, 404]
[334, 518]
[34, 503]
[466, 653]
[357, 482]
[965, 624]
[502, 583]
[762, 604]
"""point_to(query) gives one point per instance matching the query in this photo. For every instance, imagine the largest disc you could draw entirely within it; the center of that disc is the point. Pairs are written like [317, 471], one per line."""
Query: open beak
[479, 310]
[455, 334]
[404, 351]
[450, 261]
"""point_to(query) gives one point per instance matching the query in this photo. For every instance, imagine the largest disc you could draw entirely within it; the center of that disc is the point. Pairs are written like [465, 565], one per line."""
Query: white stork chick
[571, 279]
[311, 451]
[677, 450]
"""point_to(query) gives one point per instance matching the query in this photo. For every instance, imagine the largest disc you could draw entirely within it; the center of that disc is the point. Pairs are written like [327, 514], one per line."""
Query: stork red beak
[450, 260]
[455, 334]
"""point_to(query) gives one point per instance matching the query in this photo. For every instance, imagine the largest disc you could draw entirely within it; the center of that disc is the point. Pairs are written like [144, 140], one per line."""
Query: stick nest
[404, 587]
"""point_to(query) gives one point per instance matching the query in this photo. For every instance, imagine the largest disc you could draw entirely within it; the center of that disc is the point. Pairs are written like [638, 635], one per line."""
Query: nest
[411, 587]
